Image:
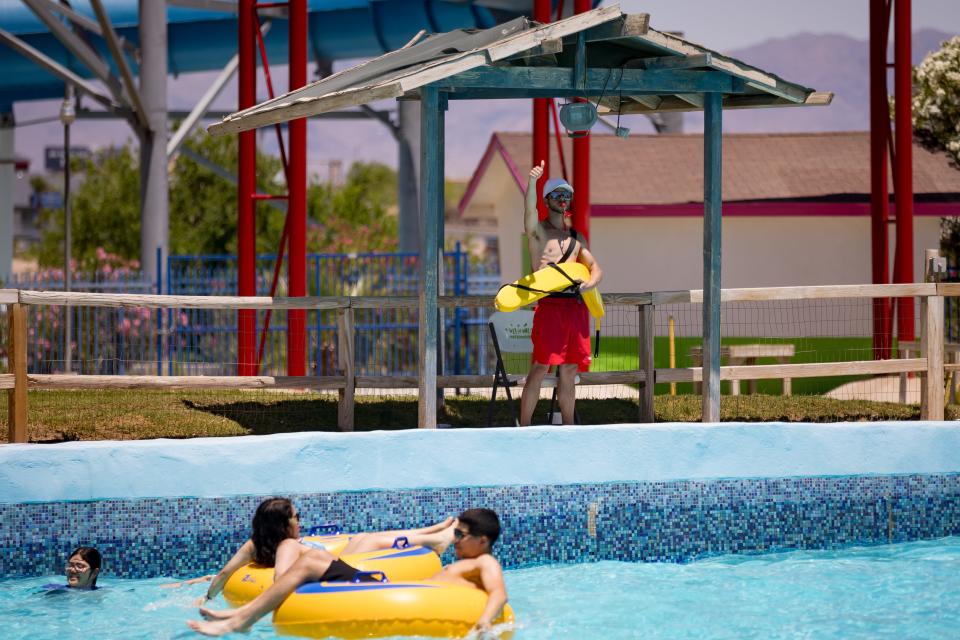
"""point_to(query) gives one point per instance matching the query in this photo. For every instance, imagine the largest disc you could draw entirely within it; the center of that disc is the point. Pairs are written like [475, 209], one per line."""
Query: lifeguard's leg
[531, 392]
[567, 391]
[308, 568]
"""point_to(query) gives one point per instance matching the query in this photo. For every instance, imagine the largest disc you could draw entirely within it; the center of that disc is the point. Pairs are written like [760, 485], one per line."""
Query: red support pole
[581, 162]
[541, 119]
[879, 195]
[297, 192]
[246, 188]
[903, 170]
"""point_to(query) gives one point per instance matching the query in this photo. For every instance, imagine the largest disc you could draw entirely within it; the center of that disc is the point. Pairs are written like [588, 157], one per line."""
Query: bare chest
[553, 246]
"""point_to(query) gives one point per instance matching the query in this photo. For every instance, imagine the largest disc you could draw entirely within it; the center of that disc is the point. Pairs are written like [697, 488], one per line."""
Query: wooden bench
[951, 356]
[748, 354]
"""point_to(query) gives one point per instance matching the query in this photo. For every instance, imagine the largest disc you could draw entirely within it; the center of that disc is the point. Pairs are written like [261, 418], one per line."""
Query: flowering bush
[102, 340]
[936, 100]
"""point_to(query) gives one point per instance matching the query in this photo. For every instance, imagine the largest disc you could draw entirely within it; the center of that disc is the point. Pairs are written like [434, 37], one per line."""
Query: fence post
[17, 353]
[345, 359]
[931, 341]
[646, 362]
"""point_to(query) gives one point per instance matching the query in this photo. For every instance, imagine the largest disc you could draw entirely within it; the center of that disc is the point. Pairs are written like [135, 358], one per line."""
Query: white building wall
[659, 254]
[662, 254]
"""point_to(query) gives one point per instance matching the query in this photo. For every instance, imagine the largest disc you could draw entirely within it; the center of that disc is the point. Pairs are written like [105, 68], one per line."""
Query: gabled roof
[609, 57]
[668, 169]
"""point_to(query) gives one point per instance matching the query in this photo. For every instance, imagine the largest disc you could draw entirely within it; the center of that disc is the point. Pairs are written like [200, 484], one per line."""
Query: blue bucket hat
[556, 183]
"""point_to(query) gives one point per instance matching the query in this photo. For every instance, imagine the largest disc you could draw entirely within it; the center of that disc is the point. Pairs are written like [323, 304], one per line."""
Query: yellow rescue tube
[371, 610]
[543, 282]
[409, 563]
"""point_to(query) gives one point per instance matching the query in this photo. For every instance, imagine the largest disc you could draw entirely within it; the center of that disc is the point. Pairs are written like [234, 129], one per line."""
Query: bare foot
[213, 628]
[440, 526]
[217, 614]
[440, 540]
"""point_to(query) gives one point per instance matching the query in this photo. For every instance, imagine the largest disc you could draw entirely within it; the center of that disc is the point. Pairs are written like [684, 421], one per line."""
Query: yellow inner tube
[409, 563]
[368, 610]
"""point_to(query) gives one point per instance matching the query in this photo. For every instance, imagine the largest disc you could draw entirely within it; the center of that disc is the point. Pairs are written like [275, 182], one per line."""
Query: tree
[936, 120]
[203, 205]
[360, 216]
[105, 212]
[105, 199]
[105, 202]
[936, 100]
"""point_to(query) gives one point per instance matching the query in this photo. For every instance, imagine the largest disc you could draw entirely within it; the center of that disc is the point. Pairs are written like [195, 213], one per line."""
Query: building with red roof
[796, 207]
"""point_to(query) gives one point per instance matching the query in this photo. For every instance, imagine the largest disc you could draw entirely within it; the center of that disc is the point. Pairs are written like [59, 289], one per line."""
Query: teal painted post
[712, 203]
[431, 217]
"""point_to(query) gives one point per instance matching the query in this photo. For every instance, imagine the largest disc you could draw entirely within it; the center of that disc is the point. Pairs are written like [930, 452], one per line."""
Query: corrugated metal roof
[620, 45]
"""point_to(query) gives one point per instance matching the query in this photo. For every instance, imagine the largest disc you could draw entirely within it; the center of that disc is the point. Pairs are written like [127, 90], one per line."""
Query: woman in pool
[275, 543]
[83, 567]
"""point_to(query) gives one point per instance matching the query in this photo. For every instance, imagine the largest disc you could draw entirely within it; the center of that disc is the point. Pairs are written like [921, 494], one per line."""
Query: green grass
[617, 353]
[57, 416]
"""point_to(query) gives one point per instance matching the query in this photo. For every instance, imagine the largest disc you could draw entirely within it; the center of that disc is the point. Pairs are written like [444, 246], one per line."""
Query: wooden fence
[930, 363]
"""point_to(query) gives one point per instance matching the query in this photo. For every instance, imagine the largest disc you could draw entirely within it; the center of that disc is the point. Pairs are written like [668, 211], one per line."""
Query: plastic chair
[510, 333]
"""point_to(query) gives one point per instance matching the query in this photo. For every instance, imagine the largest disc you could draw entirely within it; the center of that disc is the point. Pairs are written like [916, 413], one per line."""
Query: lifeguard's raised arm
[531, 220]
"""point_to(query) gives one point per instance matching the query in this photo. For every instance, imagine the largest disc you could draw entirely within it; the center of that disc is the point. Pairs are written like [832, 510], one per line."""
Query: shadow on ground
[294, 415]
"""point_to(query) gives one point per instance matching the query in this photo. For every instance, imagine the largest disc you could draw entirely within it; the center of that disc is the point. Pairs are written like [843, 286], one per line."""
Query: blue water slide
[200, 40]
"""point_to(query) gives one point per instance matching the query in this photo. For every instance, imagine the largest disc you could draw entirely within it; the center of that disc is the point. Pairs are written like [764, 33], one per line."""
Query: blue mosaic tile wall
[655, 521]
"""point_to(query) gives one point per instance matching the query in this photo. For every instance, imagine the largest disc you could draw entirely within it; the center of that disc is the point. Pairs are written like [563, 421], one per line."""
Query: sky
[721, 25]
[731, 24]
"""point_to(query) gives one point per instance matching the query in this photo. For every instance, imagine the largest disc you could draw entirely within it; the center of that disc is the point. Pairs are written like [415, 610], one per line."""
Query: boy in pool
[473, 536]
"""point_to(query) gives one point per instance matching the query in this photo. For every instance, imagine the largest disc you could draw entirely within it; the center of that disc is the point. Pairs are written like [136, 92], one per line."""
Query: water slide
[201, 39]
[204, 40]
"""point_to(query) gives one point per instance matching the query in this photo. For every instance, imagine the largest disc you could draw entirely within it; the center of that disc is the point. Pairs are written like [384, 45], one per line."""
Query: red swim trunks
[561, 332]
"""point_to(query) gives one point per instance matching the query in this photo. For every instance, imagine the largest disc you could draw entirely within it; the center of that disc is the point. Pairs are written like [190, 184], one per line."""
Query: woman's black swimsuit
[340, 571]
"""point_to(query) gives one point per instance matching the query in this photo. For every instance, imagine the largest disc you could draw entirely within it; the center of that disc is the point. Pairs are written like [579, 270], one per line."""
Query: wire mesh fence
[385, 352]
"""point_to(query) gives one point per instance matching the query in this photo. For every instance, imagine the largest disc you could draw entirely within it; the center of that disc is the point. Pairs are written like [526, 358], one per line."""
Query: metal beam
[179, 114]
[595, 81]
[75, 45]
[712, 228]
[82, 21]
[113, 44]
[154, 180]
[55, 68]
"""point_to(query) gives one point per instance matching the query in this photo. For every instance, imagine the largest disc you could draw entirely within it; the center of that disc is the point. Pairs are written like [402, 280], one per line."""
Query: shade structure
[615, 60]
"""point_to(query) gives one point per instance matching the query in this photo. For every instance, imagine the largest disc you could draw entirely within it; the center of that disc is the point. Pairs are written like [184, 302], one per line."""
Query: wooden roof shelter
[613, 59]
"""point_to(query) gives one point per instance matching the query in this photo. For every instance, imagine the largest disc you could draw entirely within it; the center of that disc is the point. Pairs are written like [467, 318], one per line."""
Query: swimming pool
[589, 501]
[891, 591]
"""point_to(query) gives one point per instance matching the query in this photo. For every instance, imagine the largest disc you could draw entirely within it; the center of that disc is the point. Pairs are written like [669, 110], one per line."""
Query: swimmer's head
[275, 520]
[83, 567]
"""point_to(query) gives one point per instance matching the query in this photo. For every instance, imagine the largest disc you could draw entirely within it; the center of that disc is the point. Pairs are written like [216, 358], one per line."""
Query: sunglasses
[561, 195]
[459, 534]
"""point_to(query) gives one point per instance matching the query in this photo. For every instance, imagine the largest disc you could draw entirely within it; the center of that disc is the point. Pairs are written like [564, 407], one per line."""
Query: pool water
[898, 591]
